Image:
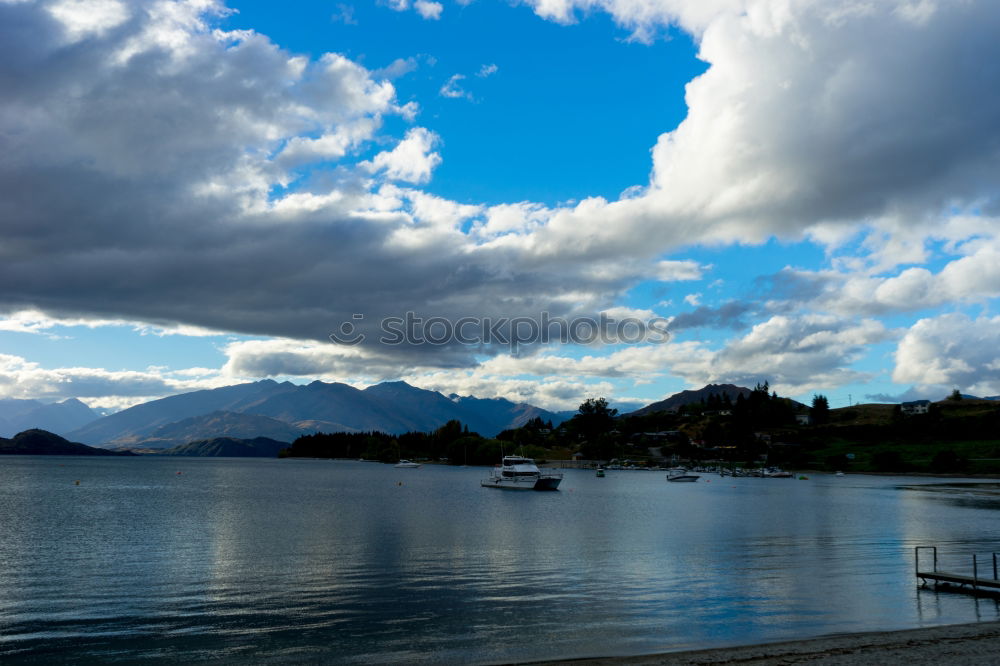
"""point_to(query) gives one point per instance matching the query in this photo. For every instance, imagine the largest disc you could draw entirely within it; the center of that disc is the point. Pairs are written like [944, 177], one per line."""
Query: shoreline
[955, 644]
[986, 476]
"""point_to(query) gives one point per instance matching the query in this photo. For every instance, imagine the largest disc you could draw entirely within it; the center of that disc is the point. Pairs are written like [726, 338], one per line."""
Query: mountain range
[283, 411]
[220, 424]
[678, 400]
[19, 415]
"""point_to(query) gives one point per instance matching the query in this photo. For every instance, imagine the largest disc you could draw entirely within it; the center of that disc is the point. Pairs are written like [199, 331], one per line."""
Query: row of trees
[729, 426]
[452, 441]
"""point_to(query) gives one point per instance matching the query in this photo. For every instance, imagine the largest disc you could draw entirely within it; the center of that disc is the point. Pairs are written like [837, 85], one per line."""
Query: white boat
[519, 473]
[679, 474]
[407, 463]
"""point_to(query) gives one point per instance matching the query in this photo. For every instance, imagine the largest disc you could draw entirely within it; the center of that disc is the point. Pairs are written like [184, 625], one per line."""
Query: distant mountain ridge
[232, 425]
[58, 417]
[504, 414]
[391, 407]
[144, 418]
[688, 397]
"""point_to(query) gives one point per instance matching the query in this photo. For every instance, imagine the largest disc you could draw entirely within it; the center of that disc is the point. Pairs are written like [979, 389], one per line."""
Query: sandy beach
[977, 643]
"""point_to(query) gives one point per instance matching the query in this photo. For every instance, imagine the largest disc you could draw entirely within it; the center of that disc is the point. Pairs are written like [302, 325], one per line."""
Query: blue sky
[196, 193]
[532, 130]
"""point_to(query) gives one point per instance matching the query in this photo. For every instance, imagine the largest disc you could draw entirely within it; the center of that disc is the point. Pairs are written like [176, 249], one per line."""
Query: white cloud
[428, 10]
[397, 68]
[98, 387]
[795, 354]
[951, 350]
[550, 393]
[804, 122]
[84, 18]
[973, 277]
[412, 160]
[433, 211]
[644, 18]
[678, 271]
[453, 89]
[332, 145]
[518, 218]
[37, 322]
[292, 358]
[487, 70]
[344, 14]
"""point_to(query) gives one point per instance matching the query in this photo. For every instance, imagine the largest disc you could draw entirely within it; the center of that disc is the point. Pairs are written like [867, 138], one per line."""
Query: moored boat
[407, 463]
[679, 474]
[520, 473]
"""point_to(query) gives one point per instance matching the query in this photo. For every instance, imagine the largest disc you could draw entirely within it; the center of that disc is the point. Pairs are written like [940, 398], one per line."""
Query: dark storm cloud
[728, 315]
[137, 187]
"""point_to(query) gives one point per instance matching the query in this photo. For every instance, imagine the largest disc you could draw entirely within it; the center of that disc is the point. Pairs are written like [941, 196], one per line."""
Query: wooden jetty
[975, 581]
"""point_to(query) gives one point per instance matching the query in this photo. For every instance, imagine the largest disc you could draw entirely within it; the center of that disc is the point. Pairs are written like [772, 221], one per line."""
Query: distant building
[802, 419]
[662, 435]
[915, 407]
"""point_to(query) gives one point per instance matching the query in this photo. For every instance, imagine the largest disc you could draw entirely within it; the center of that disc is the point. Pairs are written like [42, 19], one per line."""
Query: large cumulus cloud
[157, 169]
[812, 113]
[949, 351]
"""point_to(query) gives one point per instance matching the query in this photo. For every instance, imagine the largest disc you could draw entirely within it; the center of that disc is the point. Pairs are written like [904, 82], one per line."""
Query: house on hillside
[803, 419]
[717, 412]
[915, 407]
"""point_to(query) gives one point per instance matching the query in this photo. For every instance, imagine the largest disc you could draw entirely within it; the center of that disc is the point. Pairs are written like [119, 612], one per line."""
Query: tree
[596, 406]
[820, 411]
[837, 462]
[887, 461]
[947, 461]
[956, 395]
[593, 419]
[595, 415]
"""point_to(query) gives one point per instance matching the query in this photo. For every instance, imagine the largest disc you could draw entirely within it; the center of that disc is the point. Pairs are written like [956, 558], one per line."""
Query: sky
[199, 193]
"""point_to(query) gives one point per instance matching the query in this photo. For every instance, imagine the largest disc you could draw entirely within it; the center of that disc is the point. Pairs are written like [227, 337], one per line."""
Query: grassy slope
[964, 427]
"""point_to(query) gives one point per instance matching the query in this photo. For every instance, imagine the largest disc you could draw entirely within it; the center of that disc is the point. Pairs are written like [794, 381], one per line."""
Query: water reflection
[358, 562]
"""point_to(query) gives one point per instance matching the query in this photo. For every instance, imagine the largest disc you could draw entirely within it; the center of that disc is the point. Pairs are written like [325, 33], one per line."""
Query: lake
[194, 559]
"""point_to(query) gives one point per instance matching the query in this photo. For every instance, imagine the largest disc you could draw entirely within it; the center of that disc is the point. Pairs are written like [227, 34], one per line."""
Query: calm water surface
[238, 560]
